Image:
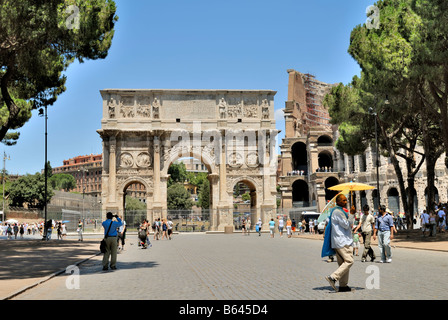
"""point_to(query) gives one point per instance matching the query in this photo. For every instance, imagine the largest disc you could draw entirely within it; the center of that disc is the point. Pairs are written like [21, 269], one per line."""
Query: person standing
[366, 225]
[311, 226]
[164, 229]
[122, 234]
[259, 224]
[424, 222]
[288, 227]
[63, 231]
[80, 238]
[59, 230]
[170, 228]
[384, 226]
[248, 226]
[110, 234]
[341, 225]
[293, 226]
[272, 227]
[432, 224]
[281, 225]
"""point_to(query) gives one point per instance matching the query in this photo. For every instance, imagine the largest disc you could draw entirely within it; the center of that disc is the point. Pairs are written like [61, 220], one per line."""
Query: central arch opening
[134, 204]
[244, 204]
[189, 197]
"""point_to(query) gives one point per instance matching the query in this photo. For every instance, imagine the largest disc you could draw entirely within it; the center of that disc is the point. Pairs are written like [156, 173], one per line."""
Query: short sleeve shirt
[366, 222]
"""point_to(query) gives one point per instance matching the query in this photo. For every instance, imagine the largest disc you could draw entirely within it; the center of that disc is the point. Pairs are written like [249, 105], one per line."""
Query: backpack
[154, 225]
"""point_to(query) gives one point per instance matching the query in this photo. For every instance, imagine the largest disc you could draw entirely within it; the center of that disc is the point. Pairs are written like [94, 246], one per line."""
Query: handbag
[327, 250]
[103, 242]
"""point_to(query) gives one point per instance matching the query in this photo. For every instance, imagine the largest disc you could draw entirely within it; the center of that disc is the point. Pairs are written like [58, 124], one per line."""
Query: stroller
[143, 239]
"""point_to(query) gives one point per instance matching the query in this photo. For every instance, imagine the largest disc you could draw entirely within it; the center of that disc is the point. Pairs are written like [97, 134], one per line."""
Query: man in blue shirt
[384, 226]
[341, 242]
[110, 234]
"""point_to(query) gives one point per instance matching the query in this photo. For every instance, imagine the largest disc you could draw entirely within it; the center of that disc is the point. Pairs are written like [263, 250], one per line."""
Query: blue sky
[195, 44]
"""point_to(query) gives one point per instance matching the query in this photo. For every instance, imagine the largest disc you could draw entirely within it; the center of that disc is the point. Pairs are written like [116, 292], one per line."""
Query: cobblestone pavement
[236, 267]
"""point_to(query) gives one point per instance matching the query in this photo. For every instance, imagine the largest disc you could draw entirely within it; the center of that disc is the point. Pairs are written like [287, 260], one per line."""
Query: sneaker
[372, 259]
[363, 260]
[382, 261]
[105, 268]
[113, 268]
[345, 289]
[332, 282]
[389, 260]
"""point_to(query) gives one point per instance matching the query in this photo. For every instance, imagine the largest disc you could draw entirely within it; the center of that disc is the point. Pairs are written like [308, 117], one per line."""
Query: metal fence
[183, 220]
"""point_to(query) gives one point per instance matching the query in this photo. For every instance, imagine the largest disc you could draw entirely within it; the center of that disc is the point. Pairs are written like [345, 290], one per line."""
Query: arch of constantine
[231, 131]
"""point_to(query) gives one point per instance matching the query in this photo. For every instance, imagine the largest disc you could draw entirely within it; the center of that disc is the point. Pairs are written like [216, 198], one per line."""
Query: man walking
[385, 228]
[367, 221]
[341, 242]
[110, 234]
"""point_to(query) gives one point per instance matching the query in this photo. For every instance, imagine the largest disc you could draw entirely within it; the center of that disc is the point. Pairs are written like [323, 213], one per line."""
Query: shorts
[356, 244]
[271, 229]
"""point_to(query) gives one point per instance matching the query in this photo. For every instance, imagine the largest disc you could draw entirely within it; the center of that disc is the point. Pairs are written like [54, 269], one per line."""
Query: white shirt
[341, 229]
[121, 228]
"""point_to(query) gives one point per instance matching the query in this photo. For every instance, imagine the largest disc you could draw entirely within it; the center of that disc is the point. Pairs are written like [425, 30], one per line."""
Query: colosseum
[309, 162]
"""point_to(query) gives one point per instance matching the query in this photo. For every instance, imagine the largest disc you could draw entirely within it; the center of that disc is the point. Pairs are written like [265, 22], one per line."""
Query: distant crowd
[17, 230]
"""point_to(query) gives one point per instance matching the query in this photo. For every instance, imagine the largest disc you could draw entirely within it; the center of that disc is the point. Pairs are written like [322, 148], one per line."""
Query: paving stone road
[235, 267]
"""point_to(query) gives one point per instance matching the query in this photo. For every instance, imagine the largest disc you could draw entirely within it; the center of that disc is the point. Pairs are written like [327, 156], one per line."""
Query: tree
[178, 173]
[204, 195]
[62, 181]
[178, 197]
[30, 190]
[386, 57]
[133, 204]
[39, 39]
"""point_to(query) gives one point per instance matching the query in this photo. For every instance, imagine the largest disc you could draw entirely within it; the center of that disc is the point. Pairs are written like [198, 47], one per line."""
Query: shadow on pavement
[22, 259]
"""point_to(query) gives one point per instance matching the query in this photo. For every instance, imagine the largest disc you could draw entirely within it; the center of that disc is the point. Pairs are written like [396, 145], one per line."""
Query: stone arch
[253, 187]
[299, 156]
[393, 199]
[204, 157]
[325, 159]
[324, 140]
[123, 185]
[330, 182]
[300, 193]
[436, 195]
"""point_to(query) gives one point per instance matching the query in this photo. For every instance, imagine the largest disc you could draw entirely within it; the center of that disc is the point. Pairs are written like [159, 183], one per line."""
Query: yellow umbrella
[351, 186]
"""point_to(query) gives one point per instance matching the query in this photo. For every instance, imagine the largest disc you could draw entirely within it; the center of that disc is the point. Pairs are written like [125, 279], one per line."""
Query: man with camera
[110, 225]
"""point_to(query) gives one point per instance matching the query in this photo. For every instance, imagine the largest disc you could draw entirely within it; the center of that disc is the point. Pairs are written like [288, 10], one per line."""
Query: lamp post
[5, 157]
[42, 114]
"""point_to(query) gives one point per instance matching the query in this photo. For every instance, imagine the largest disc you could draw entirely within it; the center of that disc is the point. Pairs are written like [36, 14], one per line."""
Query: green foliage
[178, 197]
[133, 204]
[245, 196]
[62, 181]
[204, 195]
[30, 189]
[178, 173]
[38, 41]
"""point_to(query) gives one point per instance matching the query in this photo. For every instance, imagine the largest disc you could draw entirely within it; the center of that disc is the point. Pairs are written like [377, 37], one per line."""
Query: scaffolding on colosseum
[316, 115]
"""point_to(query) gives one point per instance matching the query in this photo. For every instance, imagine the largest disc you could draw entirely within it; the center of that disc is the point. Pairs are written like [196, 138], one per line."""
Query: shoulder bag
[103, 242]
